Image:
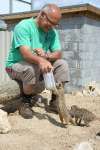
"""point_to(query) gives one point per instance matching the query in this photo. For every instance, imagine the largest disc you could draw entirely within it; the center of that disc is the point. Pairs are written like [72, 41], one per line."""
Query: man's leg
[28, 75]
[61, 74]
[20, 87]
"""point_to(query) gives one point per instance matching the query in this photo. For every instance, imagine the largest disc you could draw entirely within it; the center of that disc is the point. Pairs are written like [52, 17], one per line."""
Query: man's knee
[61, 71]
[61, 63]
[29, 76]
[29, 69]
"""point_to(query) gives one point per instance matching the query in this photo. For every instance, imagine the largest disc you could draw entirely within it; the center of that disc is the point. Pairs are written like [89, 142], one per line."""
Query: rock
[5, 126]
[83, 146]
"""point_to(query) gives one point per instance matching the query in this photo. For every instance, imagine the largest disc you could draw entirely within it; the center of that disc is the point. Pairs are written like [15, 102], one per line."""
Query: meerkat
[82, 114]
[63, 112]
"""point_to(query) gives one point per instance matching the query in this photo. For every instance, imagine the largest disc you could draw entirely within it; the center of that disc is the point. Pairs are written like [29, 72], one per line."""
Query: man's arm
[49, 56]
[44, 64]
[53, 56]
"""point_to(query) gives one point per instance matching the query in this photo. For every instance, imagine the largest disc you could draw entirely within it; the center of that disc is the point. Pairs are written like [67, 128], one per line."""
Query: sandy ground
[45, 132]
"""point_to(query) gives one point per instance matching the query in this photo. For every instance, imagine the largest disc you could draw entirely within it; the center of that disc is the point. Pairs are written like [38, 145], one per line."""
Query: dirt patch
[45, 132]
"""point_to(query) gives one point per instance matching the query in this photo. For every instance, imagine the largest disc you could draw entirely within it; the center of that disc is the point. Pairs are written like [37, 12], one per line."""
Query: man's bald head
[53, 12]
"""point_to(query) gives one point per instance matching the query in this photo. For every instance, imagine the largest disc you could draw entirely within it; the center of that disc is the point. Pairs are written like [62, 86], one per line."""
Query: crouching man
[36, 49]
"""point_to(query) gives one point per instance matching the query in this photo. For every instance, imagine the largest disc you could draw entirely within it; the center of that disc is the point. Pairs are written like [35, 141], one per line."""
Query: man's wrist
[48, 56]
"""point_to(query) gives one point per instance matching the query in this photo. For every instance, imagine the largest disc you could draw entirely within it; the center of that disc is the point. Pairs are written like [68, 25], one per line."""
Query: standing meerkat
[63, 112]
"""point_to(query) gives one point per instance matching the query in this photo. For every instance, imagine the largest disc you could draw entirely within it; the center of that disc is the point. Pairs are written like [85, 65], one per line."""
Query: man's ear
[42, 14]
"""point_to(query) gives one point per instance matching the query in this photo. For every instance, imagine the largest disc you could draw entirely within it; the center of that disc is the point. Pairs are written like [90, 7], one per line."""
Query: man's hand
[53, 56]
[39, 52]
[45, 65]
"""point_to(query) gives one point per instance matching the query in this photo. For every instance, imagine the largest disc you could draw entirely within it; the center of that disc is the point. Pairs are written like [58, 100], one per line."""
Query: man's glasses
[50, 21]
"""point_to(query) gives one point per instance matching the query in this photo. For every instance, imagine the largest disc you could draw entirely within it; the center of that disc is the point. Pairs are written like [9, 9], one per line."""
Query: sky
[37, 3]
[22, 7]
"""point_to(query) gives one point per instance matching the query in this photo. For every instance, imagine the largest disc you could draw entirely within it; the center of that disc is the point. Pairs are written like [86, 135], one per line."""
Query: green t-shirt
[27, 33]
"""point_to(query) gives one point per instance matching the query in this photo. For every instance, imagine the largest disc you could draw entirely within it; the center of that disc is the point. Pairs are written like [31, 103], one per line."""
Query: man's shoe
[38, 101]
[12, 105]
[26, 111]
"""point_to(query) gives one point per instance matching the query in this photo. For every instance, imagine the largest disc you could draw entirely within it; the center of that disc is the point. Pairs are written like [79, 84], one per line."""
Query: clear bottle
[49, 81]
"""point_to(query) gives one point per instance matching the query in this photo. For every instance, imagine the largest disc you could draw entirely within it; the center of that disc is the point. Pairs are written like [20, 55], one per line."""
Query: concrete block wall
[91, 51]
[80, 39]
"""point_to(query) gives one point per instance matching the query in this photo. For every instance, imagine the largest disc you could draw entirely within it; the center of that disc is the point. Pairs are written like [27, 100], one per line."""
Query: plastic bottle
[49, 81]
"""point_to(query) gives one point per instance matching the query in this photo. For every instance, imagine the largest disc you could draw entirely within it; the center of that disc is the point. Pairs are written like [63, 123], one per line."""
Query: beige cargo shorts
[31, 73]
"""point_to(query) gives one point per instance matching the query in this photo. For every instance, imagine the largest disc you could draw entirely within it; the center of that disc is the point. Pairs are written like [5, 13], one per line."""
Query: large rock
[5, 126]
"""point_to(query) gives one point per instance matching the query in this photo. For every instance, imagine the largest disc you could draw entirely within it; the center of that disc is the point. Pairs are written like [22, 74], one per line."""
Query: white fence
[5, 40]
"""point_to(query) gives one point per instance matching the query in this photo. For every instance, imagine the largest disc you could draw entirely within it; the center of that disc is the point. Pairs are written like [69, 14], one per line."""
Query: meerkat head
[59, 85]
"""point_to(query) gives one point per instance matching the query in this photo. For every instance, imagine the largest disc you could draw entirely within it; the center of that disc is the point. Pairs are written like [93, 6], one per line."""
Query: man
[36, 49]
